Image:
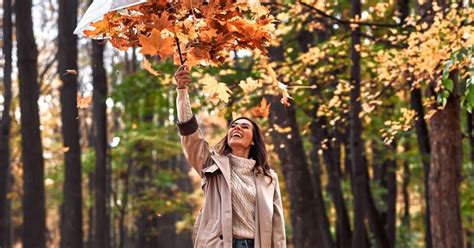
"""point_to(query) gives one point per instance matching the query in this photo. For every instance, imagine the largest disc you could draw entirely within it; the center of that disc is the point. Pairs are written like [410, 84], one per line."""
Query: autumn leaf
[186, 31]
[147, 66]
[100, 27]
[280, 129]
[162, 22]
[208, 35]
[156, 45]
[70, 71]
[196, 55]
[249, 85]
[215, 90]
[83, 102]
[258, 9]
[263, 110]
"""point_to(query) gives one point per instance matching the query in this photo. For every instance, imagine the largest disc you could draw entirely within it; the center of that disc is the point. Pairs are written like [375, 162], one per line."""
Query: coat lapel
[223, 163]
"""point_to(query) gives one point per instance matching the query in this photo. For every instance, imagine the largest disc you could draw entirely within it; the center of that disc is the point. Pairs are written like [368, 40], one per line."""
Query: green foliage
[457, 57]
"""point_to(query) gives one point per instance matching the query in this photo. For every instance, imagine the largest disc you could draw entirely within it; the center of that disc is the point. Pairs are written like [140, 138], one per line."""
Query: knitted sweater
[242, 180]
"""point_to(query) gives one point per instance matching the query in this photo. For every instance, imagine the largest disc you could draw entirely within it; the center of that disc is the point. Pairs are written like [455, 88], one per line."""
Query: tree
[5, 122]
[359, 167]
[101, 235]
[306, 211]
[445, 173]
[71, 219]
[33, 204]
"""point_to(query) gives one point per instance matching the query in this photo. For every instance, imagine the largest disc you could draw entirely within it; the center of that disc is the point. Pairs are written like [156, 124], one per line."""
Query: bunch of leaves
[205, 30]
[427, 57]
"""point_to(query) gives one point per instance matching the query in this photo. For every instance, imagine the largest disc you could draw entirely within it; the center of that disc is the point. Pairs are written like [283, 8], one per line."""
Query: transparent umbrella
[99, 8]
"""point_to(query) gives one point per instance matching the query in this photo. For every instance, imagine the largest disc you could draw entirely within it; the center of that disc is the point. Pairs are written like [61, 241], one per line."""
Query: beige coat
[213, 226]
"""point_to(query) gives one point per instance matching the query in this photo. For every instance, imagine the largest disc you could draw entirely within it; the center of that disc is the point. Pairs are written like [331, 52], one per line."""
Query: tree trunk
[123, 208]
[330, 155]
[5, 124]
[305, 219]
[405, 193]
[470, 130]
[90, 212]
[71, 220]
[359, 167]
[391, 199]
[33, 204]
[101, 234]
[305, 39]
[424, 148]
[445, 174]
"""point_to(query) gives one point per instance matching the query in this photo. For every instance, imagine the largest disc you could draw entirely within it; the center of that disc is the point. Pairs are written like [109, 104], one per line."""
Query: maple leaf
[258, 9]
[249, 85]
[84, 102]
[263, 110]
[162, 22]
[191, 4]
[186, 31]
[147, 66]
[197, 55]
[155, 44]
[216, 90]
[100, 26]
[207, 35]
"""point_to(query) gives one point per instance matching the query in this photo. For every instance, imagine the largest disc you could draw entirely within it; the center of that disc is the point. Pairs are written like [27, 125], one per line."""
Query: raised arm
[195, 147]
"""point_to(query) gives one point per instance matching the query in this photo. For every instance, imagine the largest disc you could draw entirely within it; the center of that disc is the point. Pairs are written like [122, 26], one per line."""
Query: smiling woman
[242, 205]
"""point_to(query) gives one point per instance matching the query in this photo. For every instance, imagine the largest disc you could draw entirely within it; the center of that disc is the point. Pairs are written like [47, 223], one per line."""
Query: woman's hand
[182, 76]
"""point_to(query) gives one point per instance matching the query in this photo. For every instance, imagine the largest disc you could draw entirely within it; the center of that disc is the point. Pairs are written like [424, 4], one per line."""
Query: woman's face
[240, 134]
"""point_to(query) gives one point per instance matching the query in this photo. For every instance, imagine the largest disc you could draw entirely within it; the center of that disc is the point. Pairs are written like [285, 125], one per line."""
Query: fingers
[182, 68]
[182, 76]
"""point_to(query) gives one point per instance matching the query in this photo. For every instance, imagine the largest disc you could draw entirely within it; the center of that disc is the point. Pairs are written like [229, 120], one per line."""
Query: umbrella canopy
[98, 9]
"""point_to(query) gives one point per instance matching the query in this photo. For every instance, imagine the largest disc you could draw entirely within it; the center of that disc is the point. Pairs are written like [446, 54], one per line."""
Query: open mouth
[237, 135]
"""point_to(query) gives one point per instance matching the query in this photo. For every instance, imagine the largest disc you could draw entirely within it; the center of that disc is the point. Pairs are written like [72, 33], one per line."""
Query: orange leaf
[72, 72]
[162, 22]
[147, 66]
[84, 102]
[263, 110]
[156, 45]
[284, 101]
[100, 27]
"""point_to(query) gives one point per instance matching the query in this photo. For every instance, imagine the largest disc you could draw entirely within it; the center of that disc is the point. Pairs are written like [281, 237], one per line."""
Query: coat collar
[224, 165]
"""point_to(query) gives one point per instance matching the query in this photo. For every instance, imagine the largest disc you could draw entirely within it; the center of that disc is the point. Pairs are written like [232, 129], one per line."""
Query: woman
[242, 205]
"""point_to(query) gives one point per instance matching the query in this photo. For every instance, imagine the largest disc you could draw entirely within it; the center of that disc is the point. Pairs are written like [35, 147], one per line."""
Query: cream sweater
[242, 180]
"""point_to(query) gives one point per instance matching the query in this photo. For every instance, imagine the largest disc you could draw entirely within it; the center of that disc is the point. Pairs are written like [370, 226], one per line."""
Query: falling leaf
[147, 66]
[249, 85]
[72, 72]
[284, 101]
[216, 90]
[280, 129]
[156, 45]
[84, 102]
[263, 110]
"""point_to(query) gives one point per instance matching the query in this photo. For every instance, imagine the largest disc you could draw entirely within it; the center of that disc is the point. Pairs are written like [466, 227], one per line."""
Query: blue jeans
[243, 243]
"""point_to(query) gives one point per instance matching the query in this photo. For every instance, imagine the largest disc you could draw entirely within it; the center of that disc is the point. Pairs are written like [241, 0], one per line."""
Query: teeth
[237, 135]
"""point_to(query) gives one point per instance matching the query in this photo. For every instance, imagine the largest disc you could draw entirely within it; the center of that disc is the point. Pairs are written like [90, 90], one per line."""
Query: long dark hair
[258, 151]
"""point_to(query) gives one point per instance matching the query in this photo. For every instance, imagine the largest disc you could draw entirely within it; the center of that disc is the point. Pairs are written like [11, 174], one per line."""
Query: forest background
[365, 106]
